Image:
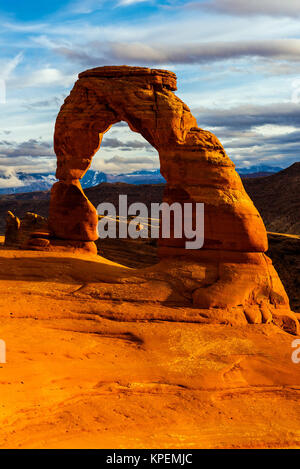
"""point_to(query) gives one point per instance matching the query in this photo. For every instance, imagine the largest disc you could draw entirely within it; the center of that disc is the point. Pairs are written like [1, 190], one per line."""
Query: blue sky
[237, 62]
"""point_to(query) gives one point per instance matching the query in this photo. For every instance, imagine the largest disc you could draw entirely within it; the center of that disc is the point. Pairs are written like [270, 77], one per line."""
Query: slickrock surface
[231, 273]
[75, 378]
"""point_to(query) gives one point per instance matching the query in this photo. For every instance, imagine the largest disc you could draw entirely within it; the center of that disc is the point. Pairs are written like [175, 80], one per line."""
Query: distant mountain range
[25, 182]
[44, 181]
[276, 197]
[258, 171]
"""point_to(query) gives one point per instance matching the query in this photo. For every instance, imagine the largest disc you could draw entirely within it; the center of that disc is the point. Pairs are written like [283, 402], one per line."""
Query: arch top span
[152, 76]
[142, 97]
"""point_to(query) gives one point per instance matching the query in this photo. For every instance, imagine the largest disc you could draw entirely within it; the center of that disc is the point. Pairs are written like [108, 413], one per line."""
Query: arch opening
[126, 157]
[122, 152]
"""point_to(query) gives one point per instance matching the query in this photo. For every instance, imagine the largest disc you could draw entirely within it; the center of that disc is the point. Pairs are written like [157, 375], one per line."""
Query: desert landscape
[81, 374]
[150, 228]
[142, 343]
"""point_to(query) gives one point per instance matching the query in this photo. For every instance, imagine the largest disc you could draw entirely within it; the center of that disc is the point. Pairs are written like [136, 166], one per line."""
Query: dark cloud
[273, 150]
[47, 103]
[285, 153]
[111, 142]
[84, 58]
[277, 8]
[30, 148]
[98, 53]
[289, 142]
[134, 160]
[241, 131]
[248, 116]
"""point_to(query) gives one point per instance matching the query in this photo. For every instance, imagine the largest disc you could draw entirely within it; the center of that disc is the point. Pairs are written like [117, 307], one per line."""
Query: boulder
[18, 231]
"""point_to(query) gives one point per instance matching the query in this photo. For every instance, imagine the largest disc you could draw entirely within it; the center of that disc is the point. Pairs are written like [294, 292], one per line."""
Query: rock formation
[19, 231]
[231, 272]
[75, 378]
[12, 230]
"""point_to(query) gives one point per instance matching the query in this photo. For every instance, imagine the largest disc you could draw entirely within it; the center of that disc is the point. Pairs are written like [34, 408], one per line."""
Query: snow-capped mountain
[22, 182]
[143, 176]
[258, 170]
[13, 183]
[93, 178]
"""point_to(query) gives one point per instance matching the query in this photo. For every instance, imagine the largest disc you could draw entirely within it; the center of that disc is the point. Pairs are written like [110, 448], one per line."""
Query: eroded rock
[18, 231]
[231, 271]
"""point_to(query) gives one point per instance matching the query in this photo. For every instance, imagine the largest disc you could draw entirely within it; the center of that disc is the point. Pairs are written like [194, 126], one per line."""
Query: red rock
[72, 216]
[38, 243]
[193, 160]
[196, 168]
[77, 247]
[19, 231]
[40, 234]
[12, 230]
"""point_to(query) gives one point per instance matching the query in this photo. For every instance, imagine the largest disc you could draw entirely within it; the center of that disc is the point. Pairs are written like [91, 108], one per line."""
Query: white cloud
[251, 7]
[220, 61]
[130, 2]
[9, 66]
[85, 7]
[44, 77]
[29, 148]
[20, 27]
[119, 164]
[8, 178]
[97, 53]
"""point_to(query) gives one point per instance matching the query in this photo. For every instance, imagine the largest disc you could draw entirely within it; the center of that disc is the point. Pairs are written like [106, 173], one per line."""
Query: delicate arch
[193, 161]
[230, 277]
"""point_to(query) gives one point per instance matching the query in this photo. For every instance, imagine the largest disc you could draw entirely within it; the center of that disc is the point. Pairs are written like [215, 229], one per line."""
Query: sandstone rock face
[193, 161]
[18, 231]
[12, 230]
[71, 213]
[92, 382]
[196, 169]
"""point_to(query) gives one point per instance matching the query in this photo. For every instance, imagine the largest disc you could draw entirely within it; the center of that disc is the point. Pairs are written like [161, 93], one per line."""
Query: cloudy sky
[237, 62]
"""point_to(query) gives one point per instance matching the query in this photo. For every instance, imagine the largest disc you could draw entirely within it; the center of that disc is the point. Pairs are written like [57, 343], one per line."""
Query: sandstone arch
[231, 271]
[193, 161]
